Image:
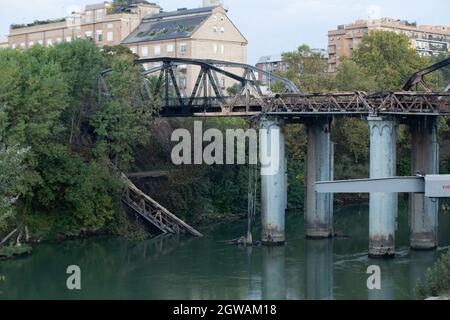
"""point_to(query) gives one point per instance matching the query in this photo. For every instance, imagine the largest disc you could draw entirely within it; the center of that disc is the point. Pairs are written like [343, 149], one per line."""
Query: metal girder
[290, 86]
[383, 185]
[199, 63]
[418, 77]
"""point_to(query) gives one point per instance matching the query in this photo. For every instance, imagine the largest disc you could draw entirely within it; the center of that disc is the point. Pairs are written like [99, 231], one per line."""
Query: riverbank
[8, 252]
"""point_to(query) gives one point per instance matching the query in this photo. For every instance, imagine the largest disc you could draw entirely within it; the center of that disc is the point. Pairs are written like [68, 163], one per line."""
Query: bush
[437, 281]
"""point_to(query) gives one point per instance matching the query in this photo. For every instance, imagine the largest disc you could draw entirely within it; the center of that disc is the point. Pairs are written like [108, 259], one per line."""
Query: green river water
[187, 268]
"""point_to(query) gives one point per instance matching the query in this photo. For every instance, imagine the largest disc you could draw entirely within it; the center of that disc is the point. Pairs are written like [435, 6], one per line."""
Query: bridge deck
[343, 103]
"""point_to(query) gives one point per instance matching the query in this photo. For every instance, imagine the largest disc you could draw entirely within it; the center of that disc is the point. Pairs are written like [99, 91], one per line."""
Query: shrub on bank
[437, 282]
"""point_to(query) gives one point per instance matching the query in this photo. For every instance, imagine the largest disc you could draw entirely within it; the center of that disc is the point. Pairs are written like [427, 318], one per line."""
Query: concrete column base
[382, 248]
[423, 242]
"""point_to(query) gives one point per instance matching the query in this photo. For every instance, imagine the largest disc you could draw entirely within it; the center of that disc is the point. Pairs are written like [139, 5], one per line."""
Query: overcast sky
[271, 26]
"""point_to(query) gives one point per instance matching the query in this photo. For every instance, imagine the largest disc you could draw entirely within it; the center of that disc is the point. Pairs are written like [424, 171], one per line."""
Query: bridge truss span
[164, 84]
[347, 103]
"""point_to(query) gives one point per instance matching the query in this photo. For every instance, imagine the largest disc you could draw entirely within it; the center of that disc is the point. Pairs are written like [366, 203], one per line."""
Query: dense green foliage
[36, 23]
[51, 107]
[437, 281]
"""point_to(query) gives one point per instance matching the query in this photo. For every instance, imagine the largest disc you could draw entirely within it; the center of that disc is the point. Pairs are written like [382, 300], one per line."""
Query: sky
[270, 26]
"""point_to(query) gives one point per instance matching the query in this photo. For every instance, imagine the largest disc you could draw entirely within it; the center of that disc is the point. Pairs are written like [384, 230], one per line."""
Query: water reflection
[186, 268]
[319, 269]
[274, 273]
[387, 280]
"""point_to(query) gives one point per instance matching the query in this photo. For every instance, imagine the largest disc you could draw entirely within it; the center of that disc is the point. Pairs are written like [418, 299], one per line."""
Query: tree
[123, 121]
[353, 77]
[307, 69]
[387, 59]
[51, 108]
[11, 180]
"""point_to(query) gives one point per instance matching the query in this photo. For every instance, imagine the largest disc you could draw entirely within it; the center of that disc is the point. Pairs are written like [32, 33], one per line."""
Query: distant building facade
[427, 40]
[202, 33]
[275, 64]
[271, 64]
[104, 23]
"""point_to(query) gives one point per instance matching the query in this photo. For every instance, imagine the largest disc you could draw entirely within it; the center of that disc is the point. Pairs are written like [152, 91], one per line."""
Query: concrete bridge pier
[383, 206]
[319, 167]
[273, 181]
[423, 212]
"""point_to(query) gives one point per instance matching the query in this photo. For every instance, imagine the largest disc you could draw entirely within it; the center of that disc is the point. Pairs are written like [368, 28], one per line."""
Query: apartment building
[104, 23]
[271, 64]
[276, 64]
[427, 40]
[202, 33]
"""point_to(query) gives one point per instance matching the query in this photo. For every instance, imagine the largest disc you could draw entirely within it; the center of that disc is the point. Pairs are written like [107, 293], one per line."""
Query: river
[187, 268]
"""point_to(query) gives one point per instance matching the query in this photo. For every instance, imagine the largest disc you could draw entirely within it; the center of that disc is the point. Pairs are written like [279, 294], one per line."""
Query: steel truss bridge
[161, 88]
[160, 85]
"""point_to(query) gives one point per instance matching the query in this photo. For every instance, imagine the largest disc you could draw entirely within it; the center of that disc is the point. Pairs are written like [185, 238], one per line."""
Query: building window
[157, 50]
[68, 39]
[41, 42]
[215, 18]
[109, 26]
[58, 40]
[144, 51]
[99, 14]
[183, 82]
[215, 48]
[88, 34]
[170, 48]
[88, 17]
[13, 46]
[222, 19]
[31, 43]
[222, 48]
[183, 48]
[49, 42]
[78, 36]
[110, 36]
[99, 35]
[133, 49]
[215, 29]
[222, 29]
[23, 45]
